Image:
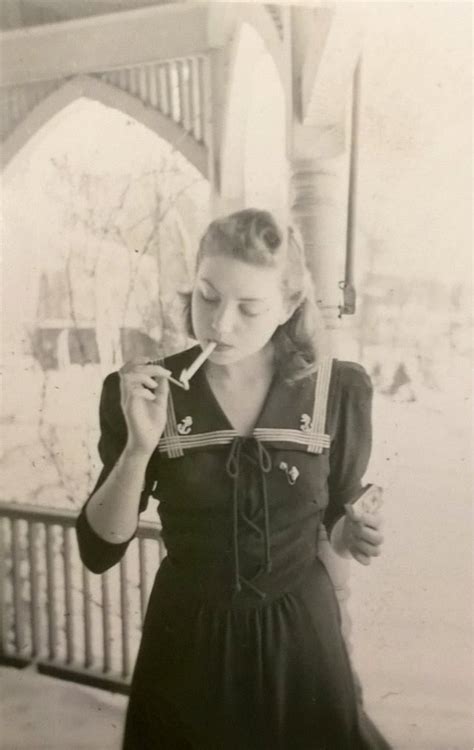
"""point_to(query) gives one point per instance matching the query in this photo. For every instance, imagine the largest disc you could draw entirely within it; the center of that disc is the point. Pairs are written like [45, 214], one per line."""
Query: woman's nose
[223, 320]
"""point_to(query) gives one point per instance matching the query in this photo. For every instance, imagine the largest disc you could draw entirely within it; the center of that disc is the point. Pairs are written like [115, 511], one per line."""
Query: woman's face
[237, 304]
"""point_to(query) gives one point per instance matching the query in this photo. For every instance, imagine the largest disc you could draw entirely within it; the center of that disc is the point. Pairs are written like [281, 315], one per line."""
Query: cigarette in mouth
[187, 373]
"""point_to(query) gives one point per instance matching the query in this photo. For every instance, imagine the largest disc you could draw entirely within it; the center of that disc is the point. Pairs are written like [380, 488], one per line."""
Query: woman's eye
[250, 312]
[209, 297]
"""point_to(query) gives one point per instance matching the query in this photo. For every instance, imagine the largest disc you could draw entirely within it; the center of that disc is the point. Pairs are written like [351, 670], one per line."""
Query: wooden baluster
[204, 98]
[86, 597]
[183, 88]
[51, 593]
[106, 629]
[143, 577]
[174, 91]
[153, 85]
[68, 597]
[133, 81]
[3, 579]
[169, 88]
[143, 87]
[164, 89]
[194, 99]
[20, 641]
[123, 78]
[34, 588]
[124, 612]
[113, 78]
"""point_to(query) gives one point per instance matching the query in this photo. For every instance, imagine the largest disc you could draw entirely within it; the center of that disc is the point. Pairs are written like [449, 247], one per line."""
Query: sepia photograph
[236, 455]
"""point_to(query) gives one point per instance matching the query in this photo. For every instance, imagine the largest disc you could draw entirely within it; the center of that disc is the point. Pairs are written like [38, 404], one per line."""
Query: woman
[241, 646]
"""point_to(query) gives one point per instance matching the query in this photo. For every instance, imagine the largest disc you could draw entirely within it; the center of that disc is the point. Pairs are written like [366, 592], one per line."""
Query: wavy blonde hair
[253, 236]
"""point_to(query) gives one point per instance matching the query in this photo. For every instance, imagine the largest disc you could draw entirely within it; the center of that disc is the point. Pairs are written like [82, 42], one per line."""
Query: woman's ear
[290, 308]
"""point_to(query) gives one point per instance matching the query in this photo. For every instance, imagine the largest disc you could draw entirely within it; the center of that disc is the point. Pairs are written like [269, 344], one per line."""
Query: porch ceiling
[16, 14]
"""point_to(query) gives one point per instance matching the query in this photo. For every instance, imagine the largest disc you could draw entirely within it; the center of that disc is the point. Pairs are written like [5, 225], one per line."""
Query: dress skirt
[250, 674]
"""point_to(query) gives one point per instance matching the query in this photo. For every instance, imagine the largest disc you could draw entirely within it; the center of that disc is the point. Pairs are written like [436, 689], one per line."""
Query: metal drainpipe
[347, 285]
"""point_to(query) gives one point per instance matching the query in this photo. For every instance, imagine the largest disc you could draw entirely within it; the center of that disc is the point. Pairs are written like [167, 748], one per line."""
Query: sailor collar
[293, 416]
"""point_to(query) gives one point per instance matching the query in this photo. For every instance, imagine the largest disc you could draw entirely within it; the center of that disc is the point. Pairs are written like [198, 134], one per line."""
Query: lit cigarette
[187, 374]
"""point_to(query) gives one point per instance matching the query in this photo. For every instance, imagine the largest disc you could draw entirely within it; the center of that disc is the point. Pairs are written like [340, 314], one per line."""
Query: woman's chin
[225, 354]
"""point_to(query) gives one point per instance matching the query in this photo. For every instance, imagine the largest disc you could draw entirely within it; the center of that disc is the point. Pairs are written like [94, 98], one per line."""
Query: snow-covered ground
[42, 713]
[412, 608]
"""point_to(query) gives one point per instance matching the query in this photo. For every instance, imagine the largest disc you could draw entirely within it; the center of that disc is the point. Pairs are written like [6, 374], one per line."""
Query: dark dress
[241, 646]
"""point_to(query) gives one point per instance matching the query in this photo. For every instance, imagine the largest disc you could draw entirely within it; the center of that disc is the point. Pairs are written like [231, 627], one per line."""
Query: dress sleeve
[96, 553]
[351, 446]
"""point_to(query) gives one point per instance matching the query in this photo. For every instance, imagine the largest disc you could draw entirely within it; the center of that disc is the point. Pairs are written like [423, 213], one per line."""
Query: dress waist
[213, 583]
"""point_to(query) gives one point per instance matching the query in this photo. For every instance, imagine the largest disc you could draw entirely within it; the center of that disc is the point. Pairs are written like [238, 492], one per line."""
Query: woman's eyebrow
[241, 299]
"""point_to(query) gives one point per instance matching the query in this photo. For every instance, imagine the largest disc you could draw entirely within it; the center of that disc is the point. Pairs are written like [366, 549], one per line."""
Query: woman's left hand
[361, 534]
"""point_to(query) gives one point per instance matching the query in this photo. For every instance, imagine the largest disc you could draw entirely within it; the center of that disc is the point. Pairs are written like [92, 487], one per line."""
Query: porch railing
[59, 616]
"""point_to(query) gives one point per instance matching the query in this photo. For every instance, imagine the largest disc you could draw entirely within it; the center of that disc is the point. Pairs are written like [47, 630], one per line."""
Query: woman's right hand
[144, 392]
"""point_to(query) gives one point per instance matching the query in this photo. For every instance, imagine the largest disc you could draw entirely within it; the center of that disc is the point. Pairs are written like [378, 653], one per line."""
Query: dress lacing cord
[233, 470]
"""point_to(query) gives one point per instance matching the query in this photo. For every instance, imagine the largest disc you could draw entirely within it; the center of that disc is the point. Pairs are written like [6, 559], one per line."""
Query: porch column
[319, 209]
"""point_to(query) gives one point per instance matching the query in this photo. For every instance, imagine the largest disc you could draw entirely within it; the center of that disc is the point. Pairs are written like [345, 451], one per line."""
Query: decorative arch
[111, 96]
[246, 51]
[267, 21]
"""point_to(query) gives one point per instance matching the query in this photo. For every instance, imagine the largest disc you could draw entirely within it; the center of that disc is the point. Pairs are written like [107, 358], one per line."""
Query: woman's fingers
[361, 558]
[155, 370]
[142, 364]
[365, 542]
[374, 520]
[144, 386]
[144, 393]
[366, 534]
[367, 549]
[364, 538]
[135, 379]
[131, 364]
[144, 378]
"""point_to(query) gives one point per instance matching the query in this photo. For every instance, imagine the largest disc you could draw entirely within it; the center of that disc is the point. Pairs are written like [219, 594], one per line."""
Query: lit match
[185, 386]
[188, 373]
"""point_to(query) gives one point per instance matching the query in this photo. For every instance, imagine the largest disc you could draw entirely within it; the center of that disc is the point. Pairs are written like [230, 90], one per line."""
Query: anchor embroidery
[184, 427]
[305, 423]
[291, 474]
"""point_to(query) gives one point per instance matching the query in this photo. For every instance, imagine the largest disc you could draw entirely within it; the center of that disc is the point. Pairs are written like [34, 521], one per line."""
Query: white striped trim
[311, 439]
[315, 443]
[199, 440]
[323, 380]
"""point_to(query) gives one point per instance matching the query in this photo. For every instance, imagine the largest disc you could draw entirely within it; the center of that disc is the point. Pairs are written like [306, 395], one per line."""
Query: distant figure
[401, 385]
[242, 647]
